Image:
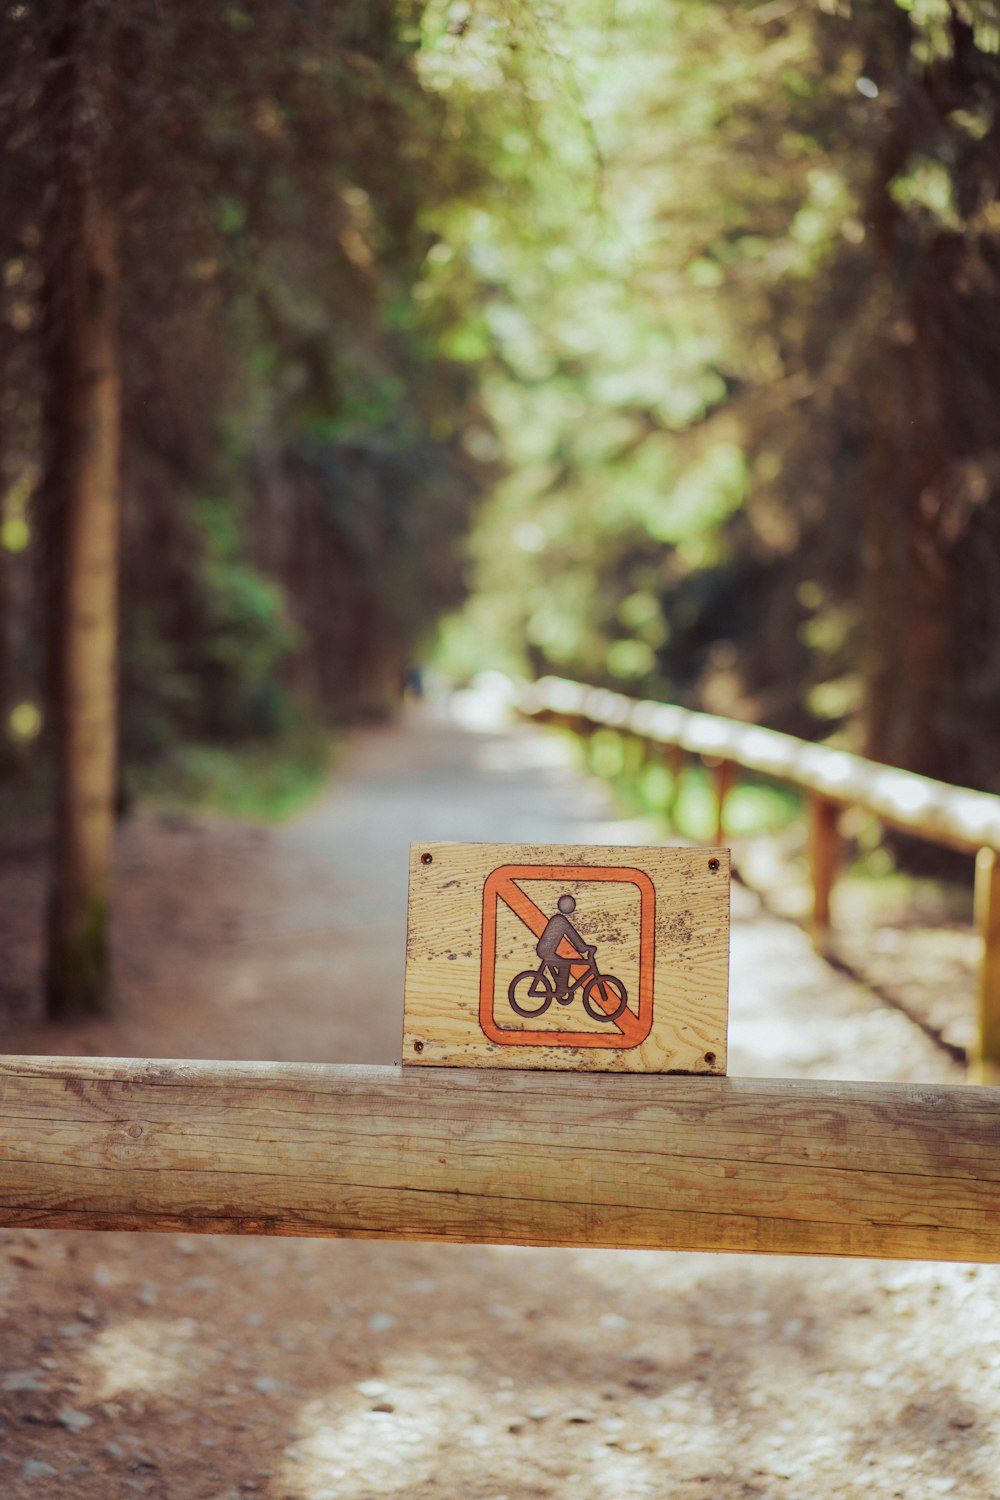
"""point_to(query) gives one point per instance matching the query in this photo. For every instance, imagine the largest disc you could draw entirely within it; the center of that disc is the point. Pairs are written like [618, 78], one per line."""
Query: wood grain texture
[658, 919]
[499, 1157]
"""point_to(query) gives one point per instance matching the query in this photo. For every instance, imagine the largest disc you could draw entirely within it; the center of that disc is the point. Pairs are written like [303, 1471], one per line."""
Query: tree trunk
[879, 570]
[6, 607]
[880, 563]
[6, 748]
[928, 668]
[83, 484]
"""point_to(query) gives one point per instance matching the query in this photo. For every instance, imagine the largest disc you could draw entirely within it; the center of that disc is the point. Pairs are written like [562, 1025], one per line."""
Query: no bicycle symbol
[611, 1010]
[589, 957]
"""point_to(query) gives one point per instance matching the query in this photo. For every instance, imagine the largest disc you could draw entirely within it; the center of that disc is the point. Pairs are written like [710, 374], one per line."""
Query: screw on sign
[600, 958]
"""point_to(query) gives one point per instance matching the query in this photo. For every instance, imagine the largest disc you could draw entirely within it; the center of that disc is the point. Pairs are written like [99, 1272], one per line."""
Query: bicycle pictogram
[560, 947]
[529, 907]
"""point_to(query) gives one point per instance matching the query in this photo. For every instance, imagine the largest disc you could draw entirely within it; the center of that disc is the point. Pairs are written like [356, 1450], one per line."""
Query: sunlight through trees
[654, 344]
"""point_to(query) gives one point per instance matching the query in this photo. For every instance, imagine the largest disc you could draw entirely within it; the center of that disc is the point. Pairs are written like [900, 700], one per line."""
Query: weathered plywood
[652, 998]
[779, 1166]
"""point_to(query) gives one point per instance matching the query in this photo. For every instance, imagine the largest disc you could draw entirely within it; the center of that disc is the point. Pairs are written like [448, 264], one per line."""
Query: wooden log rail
[956, 817]
[643, 1161]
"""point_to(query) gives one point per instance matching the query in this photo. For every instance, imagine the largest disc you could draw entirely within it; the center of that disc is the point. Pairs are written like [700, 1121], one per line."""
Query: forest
[655, 345]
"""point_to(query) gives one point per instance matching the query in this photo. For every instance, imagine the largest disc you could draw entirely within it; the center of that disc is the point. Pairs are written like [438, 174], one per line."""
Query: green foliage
[265, 782]
[686, 803]
[738, 332]
[703, 294]
[210, 655]
[271, 166]
[610, 362]
[245, 636]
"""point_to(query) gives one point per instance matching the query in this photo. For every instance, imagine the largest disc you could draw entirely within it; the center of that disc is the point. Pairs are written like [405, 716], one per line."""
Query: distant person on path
[557, 928]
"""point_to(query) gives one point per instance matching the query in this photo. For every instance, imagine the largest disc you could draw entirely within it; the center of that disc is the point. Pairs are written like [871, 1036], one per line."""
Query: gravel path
[208, 1368]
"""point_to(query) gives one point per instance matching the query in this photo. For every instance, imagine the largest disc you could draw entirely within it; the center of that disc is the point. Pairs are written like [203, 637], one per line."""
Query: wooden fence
[473, 1155]
[638, 1160]
[831, 780]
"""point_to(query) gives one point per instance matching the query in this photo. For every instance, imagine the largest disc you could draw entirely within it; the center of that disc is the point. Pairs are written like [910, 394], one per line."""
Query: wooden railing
[831, 780]
[491, 1156]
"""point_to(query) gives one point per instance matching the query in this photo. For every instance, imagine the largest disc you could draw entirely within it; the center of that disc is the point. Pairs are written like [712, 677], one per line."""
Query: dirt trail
[208, 1368]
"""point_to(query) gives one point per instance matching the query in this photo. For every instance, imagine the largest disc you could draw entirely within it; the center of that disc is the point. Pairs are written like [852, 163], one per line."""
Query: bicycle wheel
[594, 1003]
[536, 991]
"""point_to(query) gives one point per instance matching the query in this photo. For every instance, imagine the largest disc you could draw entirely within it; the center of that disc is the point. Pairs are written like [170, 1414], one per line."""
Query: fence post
[723, 772]
[824, 860]
[987, 913]
[636, 754]
[579, 726]
[676, 761]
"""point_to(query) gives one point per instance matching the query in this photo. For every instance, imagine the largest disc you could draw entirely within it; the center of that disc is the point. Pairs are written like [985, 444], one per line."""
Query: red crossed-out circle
[631, 1027]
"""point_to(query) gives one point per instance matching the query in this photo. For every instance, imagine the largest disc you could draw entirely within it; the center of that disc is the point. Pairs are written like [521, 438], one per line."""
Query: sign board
[538, 956]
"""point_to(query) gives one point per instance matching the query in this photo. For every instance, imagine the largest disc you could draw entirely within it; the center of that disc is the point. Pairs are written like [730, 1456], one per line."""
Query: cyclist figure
[556, 928]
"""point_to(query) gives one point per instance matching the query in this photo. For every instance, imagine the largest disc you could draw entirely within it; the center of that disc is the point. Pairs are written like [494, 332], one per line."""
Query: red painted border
[642, 1023]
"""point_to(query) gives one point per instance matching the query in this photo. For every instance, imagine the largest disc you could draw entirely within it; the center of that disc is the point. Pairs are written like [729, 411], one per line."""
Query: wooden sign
[587, 958]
